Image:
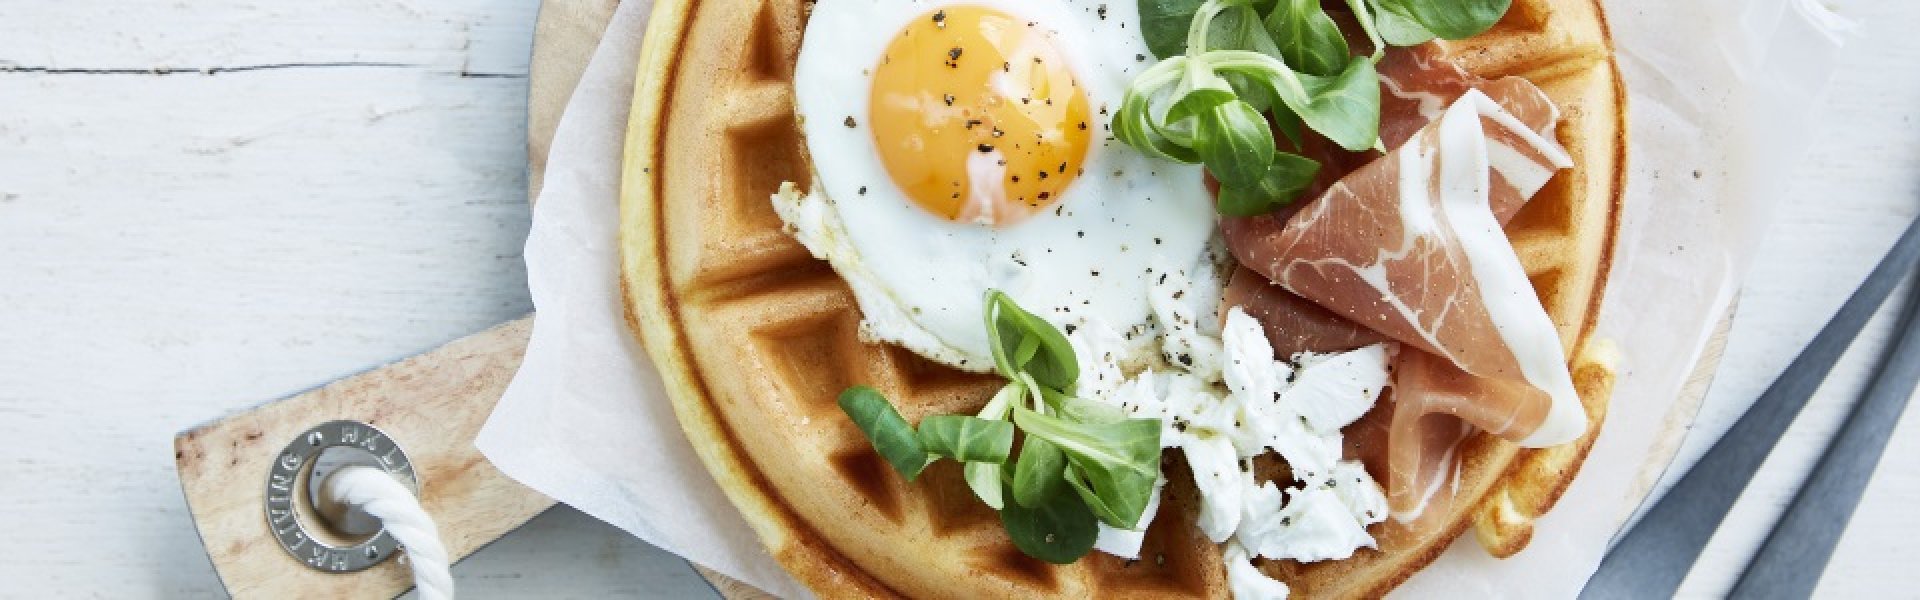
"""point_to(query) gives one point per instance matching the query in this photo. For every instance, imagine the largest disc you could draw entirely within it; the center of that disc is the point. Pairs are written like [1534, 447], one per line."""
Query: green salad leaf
[1058, 529]
[1241, 146]
[890, 434]
[1285, 178]
[1198, 102]
[1345, 107]
[1121, 460]
[1308, 39]
[1022, 342]
[967, 439]
[1037, 473]
[1080, 410]
[1447, 19]
[1259, 96]
[1285, 122]
[1164, 25]
[1396, 30]
[1138, 126]
[1239, 26]
[1105, 512]
[984, 477]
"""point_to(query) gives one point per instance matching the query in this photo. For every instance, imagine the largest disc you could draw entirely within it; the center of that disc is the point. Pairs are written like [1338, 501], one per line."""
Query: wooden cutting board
[434, 404]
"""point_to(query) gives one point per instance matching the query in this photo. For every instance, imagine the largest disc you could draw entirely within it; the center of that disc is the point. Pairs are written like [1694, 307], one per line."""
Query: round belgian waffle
[754, 338]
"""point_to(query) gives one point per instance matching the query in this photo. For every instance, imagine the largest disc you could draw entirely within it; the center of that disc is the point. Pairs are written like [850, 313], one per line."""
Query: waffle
[754, 338]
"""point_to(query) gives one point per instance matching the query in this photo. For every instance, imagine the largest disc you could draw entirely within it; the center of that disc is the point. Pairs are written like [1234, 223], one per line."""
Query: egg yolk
[977, 116]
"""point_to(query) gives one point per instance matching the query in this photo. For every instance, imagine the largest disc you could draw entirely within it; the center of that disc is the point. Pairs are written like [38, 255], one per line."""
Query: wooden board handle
[432, 405]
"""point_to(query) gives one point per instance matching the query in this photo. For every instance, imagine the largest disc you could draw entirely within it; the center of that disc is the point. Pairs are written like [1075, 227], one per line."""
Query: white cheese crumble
[1218, 474]
[1223, 399]
[1247, 582]
[1313, 524]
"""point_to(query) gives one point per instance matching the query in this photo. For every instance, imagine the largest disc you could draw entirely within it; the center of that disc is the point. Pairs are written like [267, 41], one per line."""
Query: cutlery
[1651, 559]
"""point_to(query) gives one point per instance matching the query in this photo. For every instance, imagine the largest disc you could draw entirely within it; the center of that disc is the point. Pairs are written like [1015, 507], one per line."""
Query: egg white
[919, 278]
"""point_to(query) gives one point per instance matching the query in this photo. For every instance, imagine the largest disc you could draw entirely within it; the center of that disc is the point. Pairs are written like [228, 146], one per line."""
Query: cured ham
[1410, 438]
[1416, 84]
[1294, 324]
[1409, 246]
[1413, 453]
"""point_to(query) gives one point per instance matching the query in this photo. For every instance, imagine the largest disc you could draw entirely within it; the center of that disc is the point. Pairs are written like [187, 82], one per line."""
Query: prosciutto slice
[1413, 453]
[1416, 84]
[1409, 246]
[1294, 324]
[1410, 438]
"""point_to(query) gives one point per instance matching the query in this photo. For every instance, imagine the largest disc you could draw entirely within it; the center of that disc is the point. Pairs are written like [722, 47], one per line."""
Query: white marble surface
[207, 204]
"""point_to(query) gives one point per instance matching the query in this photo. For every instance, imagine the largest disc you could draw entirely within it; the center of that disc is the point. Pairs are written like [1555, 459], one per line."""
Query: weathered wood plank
[442, 35]
[177, 247]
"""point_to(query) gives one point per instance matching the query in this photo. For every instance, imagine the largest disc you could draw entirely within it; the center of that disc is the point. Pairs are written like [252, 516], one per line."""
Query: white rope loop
[385, 498]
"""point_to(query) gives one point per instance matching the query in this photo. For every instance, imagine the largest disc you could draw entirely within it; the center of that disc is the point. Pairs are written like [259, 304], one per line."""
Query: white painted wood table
[205, 203]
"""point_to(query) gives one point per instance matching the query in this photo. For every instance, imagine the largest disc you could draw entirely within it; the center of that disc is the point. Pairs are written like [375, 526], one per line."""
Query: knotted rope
[381, 496]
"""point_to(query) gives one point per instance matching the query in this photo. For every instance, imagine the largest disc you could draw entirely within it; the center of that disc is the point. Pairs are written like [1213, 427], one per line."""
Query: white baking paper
[1720, 94]
[585, 420]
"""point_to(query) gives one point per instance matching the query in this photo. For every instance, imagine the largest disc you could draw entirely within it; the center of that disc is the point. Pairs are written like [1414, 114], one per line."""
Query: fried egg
[958, 147]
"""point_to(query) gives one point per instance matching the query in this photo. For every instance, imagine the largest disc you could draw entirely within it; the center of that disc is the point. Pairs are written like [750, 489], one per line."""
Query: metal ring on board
[284, 489]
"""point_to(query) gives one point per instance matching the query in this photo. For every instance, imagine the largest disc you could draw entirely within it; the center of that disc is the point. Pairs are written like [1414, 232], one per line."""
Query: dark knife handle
[1651, 559]
[1790, 562]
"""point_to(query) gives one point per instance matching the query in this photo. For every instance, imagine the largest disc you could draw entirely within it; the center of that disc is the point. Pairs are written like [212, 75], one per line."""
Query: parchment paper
[1721, 94]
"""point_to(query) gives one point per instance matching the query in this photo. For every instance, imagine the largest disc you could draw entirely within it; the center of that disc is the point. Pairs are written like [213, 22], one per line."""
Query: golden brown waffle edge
[753, 338]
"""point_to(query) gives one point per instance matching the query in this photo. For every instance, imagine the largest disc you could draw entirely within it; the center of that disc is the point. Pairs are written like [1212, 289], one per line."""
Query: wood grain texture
[480, 505]
[564, 39]
[176, 247]
[431, 405]
[448, 392]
